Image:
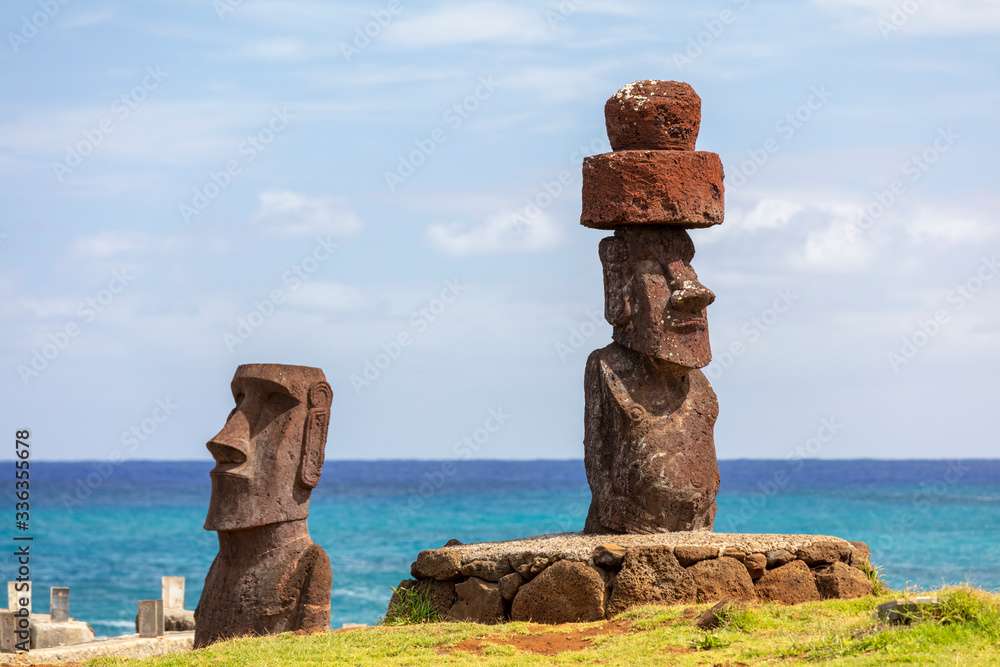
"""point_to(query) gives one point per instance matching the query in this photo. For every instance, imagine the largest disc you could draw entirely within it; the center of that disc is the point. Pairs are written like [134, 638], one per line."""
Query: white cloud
[279, 49]
[286, 213]
[87, 19]
[767, 214]
[106, 245]
[936, 226]
[840, 245]
[525, 230]
[468, 23]
[327, 296]
[922, 16]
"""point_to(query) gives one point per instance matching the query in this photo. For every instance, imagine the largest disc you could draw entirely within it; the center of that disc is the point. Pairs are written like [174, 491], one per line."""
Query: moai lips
[654, 176]
[650, 413]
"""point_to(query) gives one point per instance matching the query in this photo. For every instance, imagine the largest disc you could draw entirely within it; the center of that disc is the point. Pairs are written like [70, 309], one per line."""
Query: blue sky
[390, 191]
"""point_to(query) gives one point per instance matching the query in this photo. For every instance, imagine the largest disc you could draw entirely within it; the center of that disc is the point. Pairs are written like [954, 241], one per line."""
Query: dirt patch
[545, 642]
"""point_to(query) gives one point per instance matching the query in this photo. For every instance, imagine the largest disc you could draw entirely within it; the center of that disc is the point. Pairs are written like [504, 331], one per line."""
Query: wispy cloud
[287, 213]
[468, 23]
[941, 17]
[527, 230]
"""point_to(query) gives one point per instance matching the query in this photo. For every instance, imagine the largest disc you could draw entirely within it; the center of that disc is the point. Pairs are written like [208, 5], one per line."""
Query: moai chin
[650, 413]
[268, 576]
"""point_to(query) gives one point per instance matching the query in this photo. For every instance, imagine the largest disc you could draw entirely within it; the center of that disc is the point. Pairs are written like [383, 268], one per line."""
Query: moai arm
[314, 604]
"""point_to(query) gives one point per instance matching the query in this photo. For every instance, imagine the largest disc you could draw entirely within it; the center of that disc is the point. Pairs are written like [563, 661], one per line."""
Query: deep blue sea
[109, 531]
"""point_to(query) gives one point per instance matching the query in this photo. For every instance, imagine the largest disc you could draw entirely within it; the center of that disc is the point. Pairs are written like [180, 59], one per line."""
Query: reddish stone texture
[843, 581]
[565, 592]
[722, 579]
[664, 115]
[650, 576]
[268, 577]
[790, 584]
[641, 188]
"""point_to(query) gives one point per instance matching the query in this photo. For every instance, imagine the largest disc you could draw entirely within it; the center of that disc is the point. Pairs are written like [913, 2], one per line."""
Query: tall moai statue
[268, 576]
[650, 413]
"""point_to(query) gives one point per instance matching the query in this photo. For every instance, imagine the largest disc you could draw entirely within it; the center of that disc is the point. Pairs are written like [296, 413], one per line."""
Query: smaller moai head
[269, 455]
[652, 295]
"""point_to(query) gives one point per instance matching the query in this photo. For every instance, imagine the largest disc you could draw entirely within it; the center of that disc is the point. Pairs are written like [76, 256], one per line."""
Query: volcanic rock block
[565, 592]
[722, 579]
[440, 565]
[655, 115]
[487, 569]
[756, 564]
[478, 602]
[609, 556]
[824, 553]
[642, 188]
[269, 576]
[778, 557]
[689, 555]
[842, 581]
[791, 583]
[509, 585]
[651, 576]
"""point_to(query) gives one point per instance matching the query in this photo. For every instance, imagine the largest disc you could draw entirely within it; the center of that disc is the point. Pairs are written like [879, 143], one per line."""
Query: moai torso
[650, 412]
[648, 443]
[264, 585]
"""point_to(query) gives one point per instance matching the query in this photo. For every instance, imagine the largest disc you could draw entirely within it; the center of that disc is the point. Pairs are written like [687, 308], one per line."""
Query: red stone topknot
[653, 115]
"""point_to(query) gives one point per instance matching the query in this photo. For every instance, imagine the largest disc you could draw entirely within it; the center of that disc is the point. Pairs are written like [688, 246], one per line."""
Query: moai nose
[692, 297]
[232, 443]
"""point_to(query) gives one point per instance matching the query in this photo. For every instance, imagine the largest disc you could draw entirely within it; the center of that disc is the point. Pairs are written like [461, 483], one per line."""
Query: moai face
[270, 453]
[653, 297]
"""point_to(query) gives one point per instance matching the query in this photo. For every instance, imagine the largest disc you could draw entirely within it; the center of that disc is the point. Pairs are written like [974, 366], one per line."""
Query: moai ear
[314, 440]
[614, 257]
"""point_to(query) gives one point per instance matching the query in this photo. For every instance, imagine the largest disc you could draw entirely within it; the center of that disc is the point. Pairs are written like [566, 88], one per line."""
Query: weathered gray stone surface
[122, 647]
[566, 592]
[47, 633]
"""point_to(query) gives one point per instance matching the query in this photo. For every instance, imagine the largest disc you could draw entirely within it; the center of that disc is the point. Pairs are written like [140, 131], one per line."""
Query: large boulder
[689, 555]
[819, 554]
[791, 583]
[478, 602]
[843, 581]
[565, 592]
[490, 570]
[651, 575]
[722, 579]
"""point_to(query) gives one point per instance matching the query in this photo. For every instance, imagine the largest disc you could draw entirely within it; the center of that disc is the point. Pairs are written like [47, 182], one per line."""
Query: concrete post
[18, 592]
[59, 604]
[8, 632]
[151, 618]
[173, 592]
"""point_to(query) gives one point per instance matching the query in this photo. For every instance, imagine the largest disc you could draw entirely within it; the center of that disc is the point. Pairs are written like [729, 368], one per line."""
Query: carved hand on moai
[650, 415]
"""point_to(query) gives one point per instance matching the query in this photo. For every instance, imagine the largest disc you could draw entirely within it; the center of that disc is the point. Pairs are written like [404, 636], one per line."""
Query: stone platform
[572, 577]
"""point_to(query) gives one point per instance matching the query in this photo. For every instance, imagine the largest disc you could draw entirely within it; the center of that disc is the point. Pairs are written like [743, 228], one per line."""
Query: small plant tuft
[410, 605]
[709, 641]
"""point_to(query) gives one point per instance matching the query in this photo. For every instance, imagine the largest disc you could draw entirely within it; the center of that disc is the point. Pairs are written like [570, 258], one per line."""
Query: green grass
[964, 629]
[410, 606]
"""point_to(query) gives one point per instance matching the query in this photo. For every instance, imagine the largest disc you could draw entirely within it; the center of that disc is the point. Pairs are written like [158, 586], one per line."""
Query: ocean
[109, 531]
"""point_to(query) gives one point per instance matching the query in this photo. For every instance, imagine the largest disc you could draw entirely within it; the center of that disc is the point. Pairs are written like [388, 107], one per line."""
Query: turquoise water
[110, 531]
